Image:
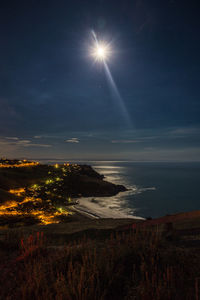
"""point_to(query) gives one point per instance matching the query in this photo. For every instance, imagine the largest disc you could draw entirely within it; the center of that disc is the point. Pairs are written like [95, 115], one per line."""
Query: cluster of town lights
[20, 164]
[41, 209]
[12, 208]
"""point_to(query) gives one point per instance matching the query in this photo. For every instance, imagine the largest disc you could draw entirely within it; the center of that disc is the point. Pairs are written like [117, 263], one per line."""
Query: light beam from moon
[117, 95]
[101, 52]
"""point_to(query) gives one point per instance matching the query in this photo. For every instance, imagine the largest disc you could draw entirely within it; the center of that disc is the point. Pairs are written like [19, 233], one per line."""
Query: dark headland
[48, 250]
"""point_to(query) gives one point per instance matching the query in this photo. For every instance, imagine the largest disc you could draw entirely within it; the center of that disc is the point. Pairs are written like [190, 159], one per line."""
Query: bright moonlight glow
[101, 52]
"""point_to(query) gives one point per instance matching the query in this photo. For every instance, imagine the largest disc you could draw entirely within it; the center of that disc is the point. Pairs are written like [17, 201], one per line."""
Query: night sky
[56, 102]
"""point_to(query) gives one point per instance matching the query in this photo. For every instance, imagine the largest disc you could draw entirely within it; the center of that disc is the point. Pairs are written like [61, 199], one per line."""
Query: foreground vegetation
[98, 264]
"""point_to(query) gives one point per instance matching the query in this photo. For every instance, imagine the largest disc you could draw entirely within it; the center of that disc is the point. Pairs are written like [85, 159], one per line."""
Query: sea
[154, 189]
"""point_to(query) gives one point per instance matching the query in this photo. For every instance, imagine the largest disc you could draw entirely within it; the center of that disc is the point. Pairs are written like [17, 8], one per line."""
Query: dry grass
[128, 265]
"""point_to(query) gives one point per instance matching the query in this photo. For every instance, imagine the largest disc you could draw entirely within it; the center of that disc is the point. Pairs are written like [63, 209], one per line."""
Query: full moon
[100, 52]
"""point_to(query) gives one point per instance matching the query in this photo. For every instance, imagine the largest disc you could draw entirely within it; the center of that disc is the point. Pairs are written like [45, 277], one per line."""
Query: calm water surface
[156, 189]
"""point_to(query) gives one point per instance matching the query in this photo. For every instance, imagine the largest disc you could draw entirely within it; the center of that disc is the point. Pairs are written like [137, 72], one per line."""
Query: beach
[103, 207]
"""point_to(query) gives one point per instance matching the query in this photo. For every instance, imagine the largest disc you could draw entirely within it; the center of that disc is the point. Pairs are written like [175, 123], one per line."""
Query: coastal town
[48, 193]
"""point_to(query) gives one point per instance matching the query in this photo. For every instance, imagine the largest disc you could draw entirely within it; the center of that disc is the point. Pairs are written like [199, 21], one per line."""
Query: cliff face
[88, 183]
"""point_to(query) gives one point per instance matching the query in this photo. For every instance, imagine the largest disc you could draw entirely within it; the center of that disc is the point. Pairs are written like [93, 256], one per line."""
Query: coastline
[48, 192]
[83, 212]
[88, 206]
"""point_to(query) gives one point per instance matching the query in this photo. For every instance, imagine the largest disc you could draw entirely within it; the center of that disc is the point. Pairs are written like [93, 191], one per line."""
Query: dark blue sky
[56, 102]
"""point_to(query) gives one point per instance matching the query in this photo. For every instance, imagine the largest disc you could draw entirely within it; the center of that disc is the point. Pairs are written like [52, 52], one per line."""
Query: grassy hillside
[98, 264]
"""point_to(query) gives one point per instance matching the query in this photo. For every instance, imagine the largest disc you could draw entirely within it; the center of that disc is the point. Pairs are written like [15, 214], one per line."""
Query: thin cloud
[37, 137]
[23, 142]
[28, 143]
[72, 140]
[185, 131]
[14, 138]
[37, 145]
[17, 142]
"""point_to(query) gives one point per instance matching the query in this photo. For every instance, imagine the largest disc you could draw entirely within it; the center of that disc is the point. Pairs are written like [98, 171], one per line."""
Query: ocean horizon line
[107, 160]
